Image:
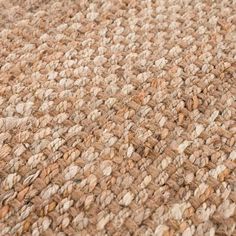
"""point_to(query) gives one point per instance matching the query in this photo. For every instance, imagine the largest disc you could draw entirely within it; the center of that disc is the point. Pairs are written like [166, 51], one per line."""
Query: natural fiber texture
[117, 117]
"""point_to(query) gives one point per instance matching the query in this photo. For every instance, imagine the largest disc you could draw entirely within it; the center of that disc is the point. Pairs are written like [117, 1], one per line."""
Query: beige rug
[117, 117]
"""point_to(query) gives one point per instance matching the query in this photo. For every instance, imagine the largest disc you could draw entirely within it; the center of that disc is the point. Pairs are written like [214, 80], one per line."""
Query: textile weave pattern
[117, 117]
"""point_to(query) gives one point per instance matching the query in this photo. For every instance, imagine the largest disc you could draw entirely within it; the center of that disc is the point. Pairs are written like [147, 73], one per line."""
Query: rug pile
[117, 117]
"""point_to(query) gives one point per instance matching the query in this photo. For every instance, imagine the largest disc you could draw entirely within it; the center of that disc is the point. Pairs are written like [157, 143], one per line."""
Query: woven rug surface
[117, 117]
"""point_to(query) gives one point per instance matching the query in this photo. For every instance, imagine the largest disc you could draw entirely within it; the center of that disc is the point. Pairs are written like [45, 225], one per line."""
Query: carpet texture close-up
[118, 117]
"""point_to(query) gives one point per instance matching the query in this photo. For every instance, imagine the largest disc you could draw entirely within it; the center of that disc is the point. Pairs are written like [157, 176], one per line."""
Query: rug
[117, 117]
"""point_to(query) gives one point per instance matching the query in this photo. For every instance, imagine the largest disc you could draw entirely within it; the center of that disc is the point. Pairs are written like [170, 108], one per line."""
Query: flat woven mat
[117, 117]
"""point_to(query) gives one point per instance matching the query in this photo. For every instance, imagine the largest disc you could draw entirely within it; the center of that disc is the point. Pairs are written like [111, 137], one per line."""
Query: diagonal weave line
[117, 118]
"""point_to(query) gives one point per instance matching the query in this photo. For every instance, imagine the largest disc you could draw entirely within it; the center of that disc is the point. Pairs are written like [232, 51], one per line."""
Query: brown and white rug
[117, 117]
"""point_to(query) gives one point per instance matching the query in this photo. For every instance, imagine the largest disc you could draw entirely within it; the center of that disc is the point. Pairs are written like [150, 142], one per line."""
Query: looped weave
[117, 117]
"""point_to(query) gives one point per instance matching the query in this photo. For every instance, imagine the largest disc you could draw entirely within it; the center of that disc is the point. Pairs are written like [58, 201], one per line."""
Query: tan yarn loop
[117, 117]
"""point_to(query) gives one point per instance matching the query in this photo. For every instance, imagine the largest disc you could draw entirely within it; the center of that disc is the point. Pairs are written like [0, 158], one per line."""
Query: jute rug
[117, 117]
